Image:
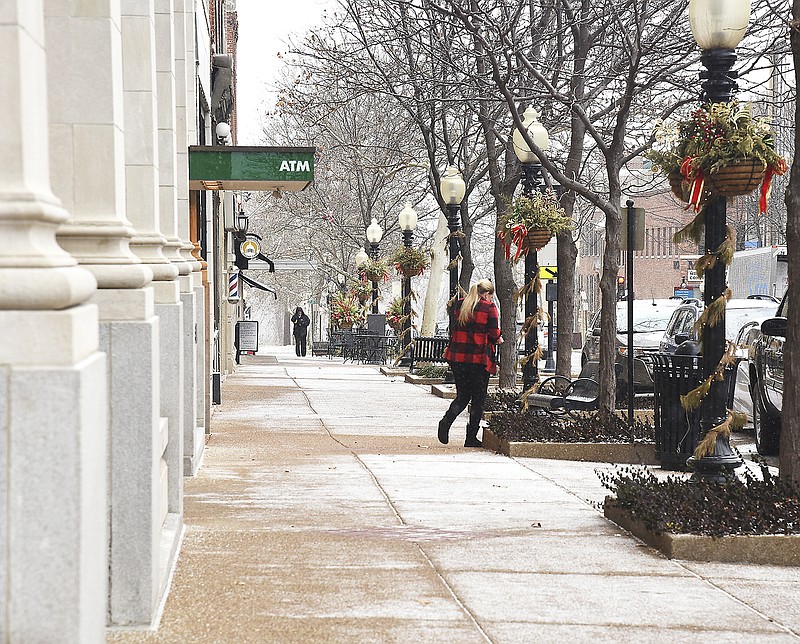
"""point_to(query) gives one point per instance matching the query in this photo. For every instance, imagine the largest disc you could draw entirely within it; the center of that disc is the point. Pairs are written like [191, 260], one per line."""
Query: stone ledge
[444, 391]
[393, 371]
[634, 453]
[422, 380]
[774, 549]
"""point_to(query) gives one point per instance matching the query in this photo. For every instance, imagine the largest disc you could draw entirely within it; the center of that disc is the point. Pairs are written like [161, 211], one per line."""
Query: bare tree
[790, 418]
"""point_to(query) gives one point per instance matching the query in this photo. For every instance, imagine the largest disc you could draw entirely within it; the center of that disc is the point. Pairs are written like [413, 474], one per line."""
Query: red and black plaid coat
[475, 341]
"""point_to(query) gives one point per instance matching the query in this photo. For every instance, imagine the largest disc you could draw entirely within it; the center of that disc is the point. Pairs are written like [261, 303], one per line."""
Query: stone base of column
[200, 367]
[129, 334]
[53, 472]
[169, 310]
[193, 438]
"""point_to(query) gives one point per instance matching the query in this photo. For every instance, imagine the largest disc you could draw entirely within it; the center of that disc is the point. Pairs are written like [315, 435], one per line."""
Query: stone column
[141, 563]
[191, 285]
[87, 131]
[199, 267]
[53, 540]
[169, 305]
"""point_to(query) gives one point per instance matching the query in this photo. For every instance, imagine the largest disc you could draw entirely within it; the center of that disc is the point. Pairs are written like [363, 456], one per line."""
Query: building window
[219, 26]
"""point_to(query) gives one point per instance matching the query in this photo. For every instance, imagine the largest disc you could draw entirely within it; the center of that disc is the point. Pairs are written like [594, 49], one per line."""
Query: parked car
[542, 338]
[650, 319]
[766, 376]
[742, 390]
[737, 314]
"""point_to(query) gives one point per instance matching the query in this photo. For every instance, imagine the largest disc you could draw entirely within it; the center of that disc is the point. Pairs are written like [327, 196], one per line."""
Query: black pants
[300, 345]
[472, 383]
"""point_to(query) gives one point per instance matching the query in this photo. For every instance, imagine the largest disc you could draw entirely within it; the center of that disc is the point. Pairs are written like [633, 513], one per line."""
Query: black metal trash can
[677, 430]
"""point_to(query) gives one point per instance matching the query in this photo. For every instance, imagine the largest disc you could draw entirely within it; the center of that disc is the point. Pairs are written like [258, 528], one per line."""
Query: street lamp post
[452, 189]
[374, 235]
[531, 182]
[408, 223]
[360, 258]
[718, 27]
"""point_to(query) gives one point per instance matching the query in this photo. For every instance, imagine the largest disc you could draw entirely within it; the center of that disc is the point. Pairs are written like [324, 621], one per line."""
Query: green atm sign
[250, 168]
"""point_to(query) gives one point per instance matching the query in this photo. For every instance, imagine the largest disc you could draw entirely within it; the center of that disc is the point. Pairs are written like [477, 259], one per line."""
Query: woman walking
[471, 354]
[300, 331]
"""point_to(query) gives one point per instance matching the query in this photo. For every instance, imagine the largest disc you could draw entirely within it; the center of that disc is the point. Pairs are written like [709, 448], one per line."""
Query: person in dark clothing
[300, 331]
[471, 354]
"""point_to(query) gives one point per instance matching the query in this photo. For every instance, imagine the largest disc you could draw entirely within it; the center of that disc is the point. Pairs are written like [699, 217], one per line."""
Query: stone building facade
[107, 294]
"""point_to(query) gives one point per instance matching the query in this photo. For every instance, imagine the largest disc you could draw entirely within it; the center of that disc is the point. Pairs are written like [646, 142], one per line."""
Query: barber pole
[233, 286]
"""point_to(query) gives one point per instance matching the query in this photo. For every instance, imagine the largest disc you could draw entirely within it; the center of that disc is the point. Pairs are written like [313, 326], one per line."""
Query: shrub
[539, 426]
[681, 506]
[431, 371]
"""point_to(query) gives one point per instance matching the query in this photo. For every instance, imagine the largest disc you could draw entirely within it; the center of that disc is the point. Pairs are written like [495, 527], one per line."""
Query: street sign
[548, 272]
[683, 292]
[692, 276]
[249, 248]
[638, 229]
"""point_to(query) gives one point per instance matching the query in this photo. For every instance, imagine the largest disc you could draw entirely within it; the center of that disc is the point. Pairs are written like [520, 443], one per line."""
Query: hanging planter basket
[679, 186]
[410, 272]
[345, 325]
[536, 239]
[374, 277]
[737, 179]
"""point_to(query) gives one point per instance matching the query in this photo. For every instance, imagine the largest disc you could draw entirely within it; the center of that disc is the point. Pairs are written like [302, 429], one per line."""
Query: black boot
[472, 437]
[444, 430]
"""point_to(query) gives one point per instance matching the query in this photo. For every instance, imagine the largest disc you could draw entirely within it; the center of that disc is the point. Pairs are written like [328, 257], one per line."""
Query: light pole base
[718, 467]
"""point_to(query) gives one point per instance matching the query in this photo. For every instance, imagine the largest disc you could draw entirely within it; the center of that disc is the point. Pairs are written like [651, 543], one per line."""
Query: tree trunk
[567, 248]
[567, 254]
[790, 417]
[433, 291]
[504, 288]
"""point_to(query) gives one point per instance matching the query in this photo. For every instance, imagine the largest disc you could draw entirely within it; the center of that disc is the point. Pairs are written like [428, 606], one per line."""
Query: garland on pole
[736, 420]
[720, 150]
[530, 325]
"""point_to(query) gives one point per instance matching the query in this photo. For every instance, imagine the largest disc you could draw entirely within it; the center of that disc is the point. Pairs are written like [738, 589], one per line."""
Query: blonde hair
[478, 290]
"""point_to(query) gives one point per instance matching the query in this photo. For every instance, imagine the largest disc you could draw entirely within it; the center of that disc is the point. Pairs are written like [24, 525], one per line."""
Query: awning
[280, 265]
[250, 168]
[251, 282]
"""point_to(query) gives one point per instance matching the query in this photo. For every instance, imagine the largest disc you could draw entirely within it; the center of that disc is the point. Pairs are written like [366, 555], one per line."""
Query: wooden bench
[427, 350]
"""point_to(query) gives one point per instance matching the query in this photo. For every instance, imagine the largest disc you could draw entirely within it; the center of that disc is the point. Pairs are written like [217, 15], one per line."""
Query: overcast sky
[264, 27]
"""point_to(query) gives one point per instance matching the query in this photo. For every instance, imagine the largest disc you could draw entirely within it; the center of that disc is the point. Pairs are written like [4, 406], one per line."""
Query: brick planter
[775, 549]
[634, 453]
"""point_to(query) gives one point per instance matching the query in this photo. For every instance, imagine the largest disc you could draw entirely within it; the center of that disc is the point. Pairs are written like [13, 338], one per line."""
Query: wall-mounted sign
[249, 248]
[250, 168]
[247, 335]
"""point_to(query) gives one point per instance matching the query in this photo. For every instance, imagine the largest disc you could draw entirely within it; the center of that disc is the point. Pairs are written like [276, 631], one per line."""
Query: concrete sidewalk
[326, 511]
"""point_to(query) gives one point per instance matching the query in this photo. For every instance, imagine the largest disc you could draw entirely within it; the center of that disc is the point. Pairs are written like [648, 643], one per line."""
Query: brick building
[658, 269]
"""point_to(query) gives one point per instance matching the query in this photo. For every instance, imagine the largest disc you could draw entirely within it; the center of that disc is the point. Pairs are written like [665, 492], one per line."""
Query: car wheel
[767, 429]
